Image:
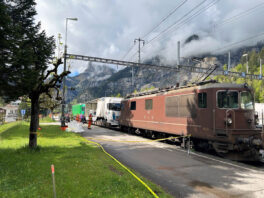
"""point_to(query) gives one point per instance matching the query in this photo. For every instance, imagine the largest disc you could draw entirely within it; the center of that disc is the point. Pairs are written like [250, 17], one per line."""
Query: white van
[108, 111]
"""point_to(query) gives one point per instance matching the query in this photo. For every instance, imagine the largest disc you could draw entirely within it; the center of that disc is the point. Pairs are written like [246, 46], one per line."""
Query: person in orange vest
[90, 121]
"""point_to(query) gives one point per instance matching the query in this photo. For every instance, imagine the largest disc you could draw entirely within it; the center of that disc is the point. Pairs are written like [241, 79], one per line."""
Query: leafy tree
[2, 102]
[25, 104]
[147, 88]
[74, 101]
[254, 68]
[5, 43]
[135, 91]
[26, 59]
[117, 95]
[48, 101]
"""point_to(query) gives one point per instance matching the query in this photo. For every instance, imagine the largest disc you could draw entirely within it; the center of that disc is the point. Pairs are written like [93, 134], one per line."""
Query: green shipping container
[78, 109]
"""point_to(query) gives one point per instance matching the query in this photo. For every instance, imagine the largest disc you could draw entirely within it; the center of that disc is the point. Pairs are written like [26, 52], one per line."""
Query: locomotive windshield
[227, 99]
[114, 106]
[247, 100]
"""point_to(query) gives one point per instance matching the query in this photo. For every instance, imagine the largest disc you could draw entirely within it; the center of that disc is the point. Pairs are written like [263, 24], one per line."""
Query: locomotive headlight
[229, 121]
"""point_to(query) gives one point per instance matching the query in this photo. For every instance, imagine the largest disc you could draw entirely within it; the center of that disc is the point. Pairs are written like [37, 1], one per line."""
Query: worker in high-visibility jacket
[90, 121]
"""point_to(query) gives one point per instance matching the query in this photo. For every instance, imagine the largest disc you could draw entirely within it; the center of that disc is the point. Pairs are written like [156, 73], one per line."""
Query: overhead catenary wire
[176, 22]
[239, 15]
[183, 23]
[156, 26]
[165, 18]
[131, 57]
[129, 50]
[238, 42]
[236, 16]
[228, 20]
[243, 40]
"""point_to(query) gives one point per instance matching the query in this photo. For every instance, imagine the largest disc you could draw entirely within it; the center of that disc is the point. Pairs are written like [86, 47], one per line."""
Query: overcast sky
[107, 28]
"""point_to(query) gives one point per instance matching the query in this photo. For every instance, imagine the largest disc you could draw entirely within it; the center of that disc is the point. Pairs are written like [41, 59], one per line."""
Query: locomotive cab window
[202, 100]
[227, 99]
[247, 101]
[133, 105]
[148, 104]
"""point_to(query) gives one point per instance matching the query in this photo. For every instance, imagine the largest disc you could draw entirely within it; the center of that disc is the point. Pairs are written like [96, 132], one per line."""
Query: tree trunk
[34, 122]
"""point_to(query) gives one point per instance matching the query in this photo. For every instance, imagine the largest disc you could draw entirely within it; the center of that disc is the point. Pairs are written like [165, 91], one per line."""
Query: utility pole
[139, 40]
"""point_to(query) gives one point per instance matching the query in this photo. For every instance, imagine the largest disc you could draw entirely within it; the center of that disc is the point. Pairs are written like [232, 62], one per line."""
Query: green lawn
[81, 170]
[46, 119]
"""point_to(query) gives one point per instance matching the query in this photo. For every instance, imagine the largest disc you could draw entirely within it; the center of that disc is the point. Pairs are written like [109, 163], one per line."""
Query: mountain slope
[98, 81]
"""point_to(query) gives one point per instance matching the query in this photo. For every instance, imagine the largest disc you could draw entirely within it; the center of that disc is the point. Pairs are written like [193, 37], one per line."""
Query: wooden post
[53, 180]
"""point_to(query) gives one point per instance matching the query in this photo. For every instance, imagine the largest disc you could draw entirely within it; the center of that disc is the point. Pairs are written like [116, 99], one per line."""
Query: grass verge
[46, 119]
[81, 170]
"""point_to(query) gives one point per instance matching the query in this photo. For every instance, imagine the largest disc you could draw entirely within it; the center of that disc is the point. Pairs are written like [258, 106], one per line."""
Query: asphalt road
[180, 174]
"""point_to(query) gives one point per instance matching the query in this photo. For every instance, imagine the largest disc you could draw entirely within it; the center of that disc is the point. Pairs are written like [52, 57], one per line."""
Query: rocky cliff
[98, 81]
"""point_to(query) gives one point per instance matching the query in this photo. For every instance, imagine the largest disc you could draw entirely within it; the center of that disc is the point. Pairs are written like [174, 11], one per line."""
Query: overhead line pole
[139, 40]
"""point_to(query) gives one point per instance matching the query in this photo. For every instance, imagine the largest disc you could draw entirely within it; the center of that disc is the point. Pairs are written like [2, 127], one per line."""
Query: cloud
[108, 28]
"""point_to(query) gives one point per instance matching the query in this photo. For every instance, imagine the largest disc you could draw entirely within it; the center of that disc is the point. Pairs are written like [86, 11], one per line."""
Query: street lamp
[64, 70]
[247, 60]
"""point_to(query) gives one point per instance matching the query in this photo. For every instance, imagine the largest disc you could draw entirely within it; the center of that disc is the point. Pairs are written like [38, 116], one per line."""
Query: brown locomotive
[217, 116]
